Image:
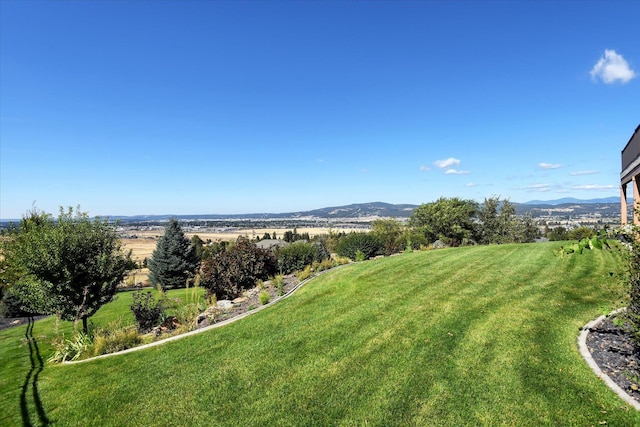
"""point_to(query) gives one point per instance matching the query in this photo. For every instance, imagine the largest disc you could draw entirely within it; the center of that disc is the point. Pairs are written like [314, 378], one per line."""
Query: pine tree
[174, 259]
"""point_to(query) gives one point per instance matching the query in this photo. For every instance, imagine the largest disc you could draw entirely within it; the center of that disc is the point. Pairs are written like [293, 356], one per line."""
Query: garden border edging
[586, 354]
[206, 328]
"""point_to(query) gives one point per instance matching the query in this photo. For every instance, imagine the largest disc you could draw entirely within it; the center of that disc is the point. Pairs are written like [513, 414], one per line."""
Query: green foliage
[305, 273]
[599, 241]
[580, 233]
[278, 282]
[198, 247]
[294, 236]
[296, 256]
[491, 306]
[366, 243]
[114, 337]
[264, 297]
[71, 349]
[228, 273]
[557, 234]
[147, 311]
[174, 259]
[388, 232]
[70, 266]
[451, 220]
[631, 235]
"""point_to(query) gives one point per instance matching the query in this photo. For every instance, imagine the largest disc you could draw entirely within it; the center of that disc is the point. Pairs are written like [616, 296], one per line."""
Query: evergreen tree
[174, 259]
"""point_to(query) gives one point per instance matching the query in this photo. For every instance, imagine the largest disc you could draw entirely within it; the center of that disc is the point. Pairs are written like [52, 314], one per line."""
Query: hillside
[481, 335]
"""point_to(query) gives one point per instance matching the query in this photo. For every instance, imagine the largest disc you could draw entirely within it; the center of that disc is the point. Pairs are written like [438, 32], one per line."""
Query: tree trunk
[85, 328]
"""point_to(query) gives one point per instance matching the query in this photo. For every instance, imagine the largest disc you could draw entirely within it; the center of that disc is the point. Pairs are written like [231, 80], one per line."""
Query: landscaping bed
[616, 353]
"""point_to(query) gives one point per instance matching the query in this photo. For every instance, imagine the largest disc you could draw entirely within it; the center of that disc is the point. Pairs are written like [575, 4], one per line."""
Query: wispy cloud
[424, 168]
[612, 68]
[456, 172]
[472, 184]
[549, 165]
[447, 163]
[594, 187]
[579, 173]
[538, 188]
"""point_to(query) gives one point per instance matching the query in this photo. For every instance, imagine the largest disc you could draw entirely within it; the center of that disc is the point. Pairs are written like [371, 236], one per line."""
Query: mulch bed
[616, 353]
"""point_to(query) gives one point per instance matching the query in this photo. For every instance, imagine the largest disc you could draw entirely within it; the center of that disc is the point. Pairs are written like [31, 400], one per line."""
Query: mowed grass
[465, 336]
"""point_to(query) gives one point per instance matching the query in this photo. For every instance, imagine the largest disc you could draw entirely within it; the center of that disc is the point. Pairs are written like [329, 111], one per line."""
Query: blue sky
[193, 107]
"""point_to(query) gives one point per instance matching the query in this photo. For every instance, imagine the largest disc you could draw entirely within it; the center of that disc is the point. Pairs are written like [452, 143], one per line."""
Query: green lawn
[467, 336]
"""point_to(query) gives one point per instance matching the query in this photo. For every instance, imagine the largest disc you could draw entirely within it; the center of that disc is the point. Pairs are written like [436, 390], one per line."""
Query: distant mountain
[354, 211]
[570, 200]
[360, 210]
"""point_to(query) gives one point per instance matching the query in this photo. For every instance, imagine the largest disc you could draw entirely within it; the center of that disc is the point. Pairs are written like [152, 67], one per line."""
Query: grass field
[466, 336]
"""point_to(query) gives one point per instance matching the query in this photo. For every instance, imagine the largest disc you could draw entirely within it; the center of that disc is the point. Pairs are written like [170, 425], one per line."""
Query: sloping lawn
[468, 336]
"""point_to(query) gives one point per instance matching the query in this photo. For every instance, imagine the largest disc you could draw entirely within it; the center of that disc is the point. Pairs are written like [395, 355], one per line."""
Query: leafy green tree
[557, 234]
[70, 266]
[388, 232]
[451, 220]
[174, 259]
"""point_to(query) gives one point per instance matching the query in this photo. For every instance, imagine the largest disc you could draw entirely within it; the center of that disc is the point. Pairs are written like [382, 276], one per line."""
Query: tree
[388, 232]
[198, 246]
[174, 259]
[354, 243]
[70, 266]
[227, 273]
[447, 219]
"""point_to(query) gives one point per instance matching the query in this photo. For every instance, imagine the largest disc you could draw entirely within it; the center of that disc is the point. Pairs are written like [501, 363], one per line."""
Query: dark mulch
[614, 351]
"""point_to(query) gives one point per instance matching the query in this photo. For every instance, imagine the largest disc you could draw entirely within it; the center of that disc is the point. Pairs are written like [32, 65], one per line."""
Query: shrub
[71, 349]
[304, 273]
[264, 297]
[278, 282]
[226, 274]
[296, 256]
[115, 337]
[147, 311]
[366, 243]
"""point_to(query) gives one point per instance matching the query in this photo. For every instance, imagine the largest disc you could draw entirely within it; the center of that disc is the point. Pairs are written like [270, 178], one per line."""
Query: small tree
[226, 274]
[366, 244]
[69, 267]
[174, 259]
[449, 219]
[388, 231]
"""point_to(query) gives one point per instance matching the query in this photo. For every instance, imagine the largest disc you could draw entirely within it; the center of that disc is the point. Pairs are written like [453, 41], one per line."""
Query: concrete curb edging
[206, 328]
[586, 354]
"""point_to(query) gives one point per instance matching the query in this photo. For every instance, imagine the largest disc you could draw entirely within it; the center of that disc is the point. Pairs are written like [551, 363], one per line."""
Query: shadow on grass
[37, 365]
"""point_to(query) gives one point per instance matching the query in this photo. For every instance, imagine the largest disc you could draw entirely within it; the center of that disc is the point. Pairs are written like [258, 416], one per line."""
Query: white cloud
[424, 168]
[447, 163]
[538, 188]
[456, 172]
[549, 165]
[594, 187]
[472, 184]
[612, 68]
[579, 173]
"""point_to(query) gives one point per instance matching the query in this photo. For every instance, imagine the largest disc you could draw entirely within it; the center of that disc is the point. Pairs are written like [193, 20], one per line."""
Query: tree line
[72, 265]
